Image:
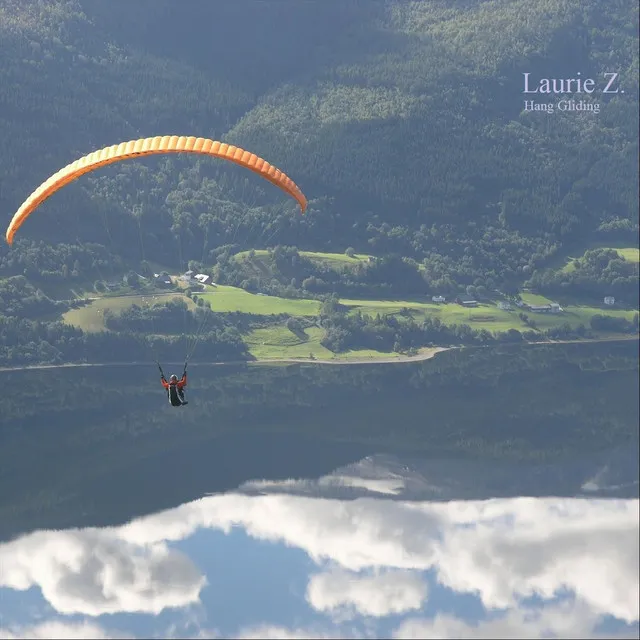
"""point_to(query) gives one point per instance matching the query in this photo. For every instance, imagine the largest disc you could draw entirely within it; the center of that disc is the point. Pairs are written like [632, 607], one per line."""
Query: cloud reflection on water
[539, 566]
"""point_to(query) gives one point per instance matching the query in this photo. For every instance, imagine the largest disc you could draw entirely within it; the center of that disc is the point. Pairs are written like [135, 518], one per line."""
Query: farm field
[484, 316]
[277, 342]
[534, 298]
[334, 260]
[576, 315]
[91, 317]
[488, 316]
[226, 299]
[232, 299]
[280, 343]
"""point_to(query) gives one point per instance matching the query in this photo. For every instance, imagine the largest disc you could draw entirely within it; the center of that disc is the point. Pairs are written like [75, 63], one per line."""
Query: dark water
[489, 491]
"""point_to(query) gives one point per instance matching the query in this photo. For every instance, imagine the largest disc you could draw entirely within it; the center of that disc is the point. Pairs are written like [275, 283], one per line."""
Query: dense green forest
[403, 123]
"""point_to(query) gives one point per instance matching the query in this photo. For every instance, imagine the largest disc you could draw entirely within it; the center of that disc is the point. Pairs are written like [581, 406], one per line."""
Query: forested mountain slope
[402, 121]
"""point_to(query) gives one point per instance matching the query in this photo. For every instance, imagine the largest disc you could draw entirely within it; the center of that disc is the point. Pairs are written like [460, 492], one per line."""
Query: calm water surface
[494, 495]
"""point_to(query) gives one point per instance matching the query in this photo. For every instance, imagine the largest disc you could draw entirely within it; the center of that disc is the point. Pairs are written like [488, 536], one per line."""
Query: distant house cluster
[465, 301]
[554, 307]
[505, 305]
[190, 276]
[162, 279]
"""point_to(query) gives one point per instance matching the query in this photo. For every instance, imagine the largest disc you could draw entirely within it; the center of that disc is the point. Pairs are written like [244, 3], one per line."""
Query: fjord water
[489, 492]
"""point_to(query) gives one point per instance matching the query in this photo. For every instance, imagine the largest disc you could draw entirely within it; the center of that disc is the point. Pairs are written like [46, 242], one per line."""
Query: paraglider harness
[175, 390]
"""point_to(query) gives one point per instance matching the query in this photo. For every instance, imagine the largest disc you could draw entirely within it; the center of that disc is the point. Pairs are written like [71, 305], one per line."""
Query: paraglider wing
[147, 147]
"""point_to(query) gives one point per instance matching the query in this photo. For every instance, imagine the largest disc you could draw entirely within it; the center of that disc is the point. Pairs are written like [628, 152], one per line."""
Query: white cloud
[502, 550]
[276, 632]
[60, 630]
[565, 620]
[349, 594]
[356, 534]
[391, 486]
[94, 572]
[540, 547]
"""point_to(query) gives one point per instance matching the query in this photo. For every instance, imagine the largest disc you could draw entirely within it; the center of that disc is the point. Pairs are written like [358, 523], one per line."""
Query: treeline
[29, 336]
[28, 342]
[285, 271]
[21, 299]
[60, 262]
[600, 272]
[600, 322]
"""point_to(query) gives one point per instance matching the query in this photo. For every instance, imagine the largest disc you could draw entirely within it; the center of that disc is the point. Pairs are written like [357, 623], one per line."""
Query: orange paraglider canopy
[147, 147]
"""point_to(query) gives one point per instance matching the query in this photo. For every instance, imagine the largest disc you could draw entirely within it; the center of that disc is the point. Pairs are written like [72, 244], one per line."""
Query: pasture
[484, 316]
[575, 316]
[91, 317]
[534, 298]
[227, 299]
[279, 343]
[332, 260]
[335, 259]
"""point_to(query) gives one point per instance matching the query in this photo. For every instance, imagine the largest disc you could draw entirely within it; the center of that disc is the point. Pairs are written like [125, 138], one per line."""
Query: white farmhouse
[610, 300]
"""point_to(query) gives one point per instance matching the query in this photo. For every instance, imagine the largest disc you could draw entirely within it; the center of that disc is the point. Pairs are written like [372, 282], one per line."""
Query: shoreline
[426, 354]
[432, 351]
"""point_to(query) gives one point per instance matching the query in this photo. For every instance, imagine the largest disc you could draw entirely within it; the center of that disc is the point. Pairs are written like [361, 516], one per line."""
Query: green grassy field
[484, 316]
[388, 307]
[91, 317]
[280, 343]
[535, 299]
[333, 260]
[576, 315]
[229, 299]
[488, 316]
[225, 298]
[258, 253]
